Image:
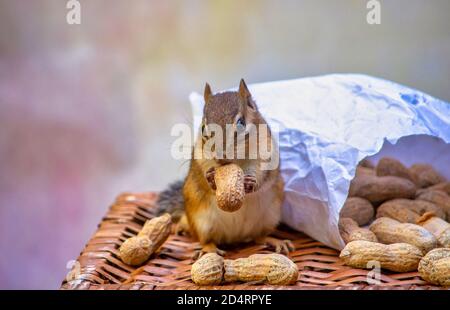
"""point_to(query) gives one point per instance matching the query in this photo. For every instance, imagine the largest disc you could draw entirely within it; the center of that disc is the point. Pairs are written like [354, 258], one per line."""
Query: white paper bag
[328, 124]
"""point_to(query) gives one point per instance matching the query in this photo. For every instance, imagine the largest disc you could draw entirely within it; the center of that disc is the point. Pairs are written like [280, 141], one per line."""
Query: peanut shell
[437, 226]
[397, 212]
[157, 229]
[379, 189]
[273, 269]
[439, 198]
[366, 163]
[390, 231]
[398, 257]
[136, 250]
[444, 186]
[350, 231]
[390, 166]
[408, 211]
[426, 175]
[435, 267]
[230, 187]
[208, 270]
[364, 171]
[358, 209]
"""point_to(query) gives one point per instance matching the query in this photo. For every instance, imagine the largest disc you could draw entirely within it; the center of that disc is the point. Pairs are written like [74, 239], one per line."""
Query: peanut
[444, 186]
[398, 257]
[350, 231]
[366, 163]
[408, 211]
[379, 189]
[390, 231]
[358, 209]
[439, 198]
[364, 171]
[390, 166]
[435, 267]
[157, 229]
[397, 212]
[208, 270]
[437, 226]
[273, 269]
[230, 187]
[425, 175]
[138, 249]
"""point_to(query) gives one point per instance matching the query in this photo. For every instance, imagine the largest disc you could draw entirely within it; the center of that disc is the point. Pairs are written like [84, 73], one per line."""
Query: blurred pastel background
[86, 110]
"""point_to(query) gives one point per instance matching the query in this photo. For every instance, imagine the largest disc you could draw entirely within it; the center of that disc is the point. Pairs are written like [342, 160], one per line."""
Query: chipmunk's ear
[245, 94]
[207, 93]
[243, 90]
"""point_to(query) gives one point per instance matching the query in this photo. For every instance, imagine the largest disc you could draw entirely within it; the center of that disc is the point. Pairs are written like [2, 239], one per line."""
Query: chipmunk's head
[232, 112]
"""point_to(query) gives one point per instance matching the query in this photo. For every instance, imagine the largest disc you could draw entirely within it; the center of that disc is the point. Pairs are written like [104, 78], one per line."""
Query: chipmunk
[192, 203]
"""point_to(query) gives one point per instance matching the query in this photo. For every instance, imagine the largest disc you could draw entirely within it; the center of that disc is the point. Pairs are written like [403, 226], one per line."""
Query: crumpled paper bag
[328, 124]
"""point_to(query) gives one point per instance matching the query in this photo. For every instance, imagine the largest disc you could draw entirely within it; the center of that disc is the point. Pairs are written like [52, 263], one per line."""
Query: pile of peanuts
[398, 216]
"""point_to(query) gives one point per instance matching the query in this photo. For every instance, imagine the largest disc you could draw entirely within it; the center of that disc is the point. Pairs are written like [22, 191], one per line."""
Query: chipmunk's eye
[240, 124]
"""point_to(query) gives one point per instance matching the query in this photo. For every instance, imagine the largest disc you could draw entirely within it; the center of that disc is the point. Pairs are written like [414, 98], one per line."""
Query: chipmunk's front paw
[250, 183]
[210, 175]
[208, 248]
[280, 246]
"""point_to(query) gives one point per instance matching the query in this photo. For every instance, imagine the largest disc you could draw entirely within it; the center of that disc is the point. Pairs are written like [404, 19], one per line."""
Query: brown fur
[261, 211]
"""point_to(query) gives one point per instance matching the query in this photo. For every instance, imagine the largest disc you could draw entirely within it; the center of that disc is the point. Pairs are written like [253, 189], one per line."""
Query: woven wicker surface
[101, 268]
